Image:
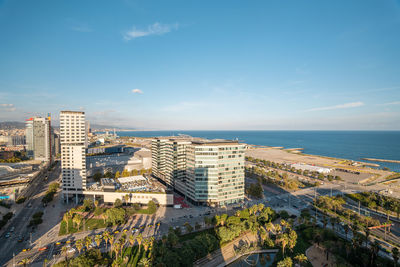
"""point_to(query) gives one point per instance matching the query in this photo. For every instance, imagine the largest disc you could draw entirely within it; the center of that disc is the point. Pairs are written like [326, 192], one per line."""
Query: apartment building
[73, 141]
[39, 141]
[207, 172]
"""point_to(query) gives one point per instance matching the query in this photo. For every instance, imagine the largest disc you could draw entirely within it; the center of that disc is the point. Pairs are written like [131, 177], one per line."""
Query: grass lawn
[146, 211]
[89, 225]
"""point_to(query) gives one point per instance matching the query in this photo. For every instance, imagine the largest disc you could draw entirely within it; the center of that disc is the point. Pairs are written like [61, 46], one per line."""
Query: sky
[204, 65]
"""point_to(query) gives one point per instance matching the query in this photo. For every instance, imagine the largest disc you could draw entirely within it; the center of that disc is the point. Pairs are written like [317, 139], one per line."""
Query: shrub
[20, 200]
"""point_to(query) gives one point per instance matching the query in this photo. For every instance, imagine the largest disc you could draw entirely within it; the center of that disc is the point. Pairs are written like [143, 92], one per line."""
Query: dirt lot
[366, 175]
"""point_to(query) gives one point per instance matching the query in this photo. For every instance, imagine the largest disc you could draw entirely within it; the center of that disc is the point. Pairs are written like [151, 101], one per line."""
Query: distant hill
[9, 125]
[102, 127]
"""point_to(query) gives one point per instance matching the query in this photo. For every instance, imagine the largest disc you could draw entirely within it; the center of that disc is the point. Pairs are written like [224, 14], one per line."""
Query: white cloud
[341, 106]
[153, 29]
[7, 107]
[137, 91]
[391, 103]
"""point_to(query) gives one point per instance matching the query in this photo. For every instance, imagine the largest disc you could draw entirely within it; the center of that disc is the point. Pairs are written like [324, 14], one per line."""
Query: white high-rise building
[73, 141]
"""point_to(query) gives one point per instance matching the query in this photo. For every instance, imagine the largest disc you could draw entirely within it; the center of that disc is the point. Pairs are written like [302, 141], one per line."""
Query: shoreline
[382, 160]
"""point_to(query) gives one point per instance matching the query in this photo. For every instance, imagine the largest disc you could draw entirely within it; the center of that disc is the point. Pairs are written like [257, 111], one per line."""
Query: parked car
[71, 250]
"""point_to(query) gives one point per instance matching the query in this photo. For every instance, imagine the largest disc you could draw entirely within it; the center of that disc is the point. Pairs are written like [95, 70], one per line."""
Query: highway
[20, 222]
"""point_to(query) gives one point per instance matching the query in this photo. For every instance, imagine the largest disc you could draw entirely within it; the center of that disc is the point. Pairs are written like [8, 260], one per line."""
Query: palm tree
[283, 240]
[131, 239]
[111, 240]
[79, 245]
[68, 215]
[139, 239]
[146, 244]
[88, 240]
[117, 247]
[292, 239]
[104, 217]
[106, 237]
[126, 198]
[77, 219]
[122, 240]
[301, 258]
[269, 227]
[145, 262]
[367, 232]
[374, 251]
[395, 255]
[25, 261]
[278, 228]
[98, 239]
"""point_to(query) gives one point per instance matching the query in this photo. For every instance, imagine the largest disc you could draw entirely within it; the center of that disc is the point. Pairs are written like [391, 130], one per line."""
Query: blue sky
[204, 64]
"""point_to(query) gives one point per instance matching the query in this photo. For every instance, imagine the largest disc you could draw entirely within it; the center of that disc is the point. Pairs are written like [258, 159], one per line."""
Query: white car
[71, 250]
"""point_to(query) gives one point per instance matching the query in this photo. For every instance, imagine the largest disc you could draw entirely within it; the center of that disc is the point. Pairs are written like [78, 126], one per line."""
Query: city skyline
[204, 66]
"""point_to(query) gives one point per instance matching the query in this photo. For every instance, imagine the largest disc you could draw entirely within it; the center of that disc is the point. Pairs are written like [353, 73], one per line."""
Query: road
[20, 222]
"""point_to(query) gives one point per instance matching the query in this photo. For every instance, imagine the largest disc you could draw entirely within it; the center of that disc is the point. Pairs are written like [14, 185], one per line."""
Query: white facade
[208, 172]
[162, 199]
[73, 141]
[311, 168]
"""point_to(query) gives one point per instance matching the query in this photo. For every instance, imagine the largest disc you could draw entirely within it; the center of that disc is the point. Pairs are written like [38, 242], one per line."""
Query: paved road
[20, 222]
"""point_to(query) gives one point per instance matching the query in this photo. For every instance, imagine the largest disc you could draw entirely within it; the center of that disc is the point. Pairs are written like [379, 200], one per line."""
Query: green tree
[189, 228]
[118, 203]
[115, 216]
[301, 259]
[286, 262]
[144, 262]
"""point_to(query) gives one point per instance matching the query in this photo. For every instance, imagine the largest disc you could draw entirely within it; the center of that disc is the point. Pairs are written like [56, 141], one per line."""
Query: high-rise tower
[73, 154]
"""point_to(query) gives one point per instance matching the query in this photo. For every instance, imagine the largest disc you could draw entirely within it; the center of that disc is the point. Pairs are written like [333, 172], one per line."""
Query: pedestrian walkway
[225, 253]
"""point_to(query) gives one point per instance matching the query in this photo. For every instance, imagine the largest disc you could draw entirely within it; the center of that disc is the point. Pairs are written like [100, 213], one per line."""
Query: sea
[353, 145]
